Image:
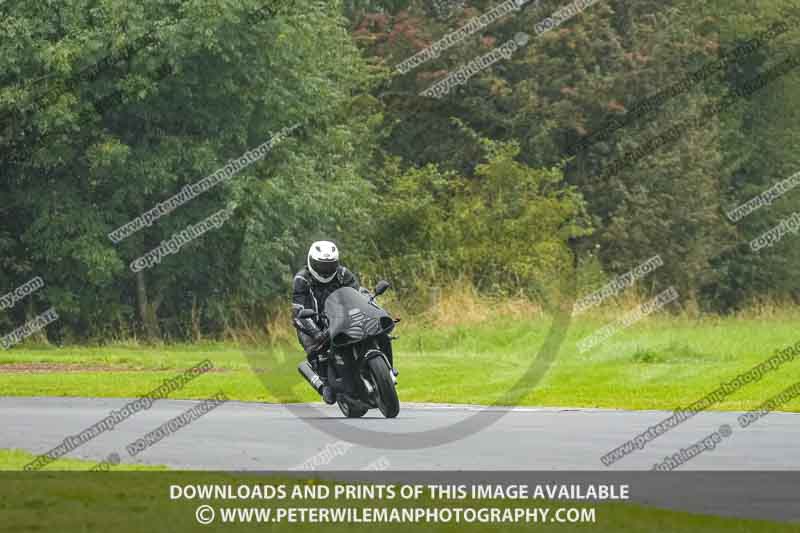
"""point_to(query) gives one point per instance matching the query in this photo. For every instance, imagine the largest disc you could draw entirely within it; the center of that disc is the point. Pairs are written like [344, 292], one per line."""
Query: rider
[311, 287]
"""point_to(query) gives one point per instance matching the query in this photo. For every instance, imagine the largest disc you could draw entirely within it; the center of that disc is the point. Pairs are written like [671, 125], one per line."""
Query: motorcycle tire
[387, 399]
[349, 410]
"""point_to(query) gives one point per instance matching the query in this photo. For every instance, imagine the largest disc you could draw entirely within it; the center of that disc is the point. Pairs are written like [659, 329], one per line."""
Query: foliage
[505, 228]
[110, 107]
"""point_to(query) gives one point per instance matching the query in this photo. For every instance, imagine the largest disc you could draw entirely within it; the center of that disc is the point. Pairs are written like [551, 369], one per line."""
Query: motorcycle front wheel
[386, 399]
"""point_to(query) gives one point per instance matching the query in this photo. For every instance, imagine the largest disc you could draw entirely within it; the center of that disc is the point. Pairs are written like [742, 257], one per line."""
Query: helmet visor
[325, 268]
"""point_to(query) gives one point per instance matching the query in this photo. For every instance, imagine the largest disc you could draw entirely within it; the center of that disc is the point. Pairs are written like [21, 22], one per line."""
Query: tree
[178, 93]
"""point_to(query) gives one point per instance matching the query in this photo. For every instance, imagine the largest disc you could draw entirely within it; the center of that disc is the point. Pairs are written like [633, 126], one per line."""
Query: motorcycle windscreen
[352, 318]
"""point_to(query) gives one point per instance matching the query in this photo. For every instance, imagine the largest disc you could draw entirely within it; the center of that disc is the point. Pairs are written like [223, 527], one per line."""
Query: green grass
[659, 363]
[17, 459]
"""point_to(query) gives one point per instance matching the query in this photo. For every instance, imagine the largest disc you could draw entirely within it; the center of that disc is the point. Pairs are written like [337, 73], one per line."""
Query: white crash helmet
[323, 261]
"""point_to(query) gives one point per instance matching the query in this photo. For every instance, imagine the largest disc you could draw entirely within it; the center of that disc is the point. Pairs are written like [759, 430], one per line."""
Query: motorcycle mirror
[381, 287]
[306, 313]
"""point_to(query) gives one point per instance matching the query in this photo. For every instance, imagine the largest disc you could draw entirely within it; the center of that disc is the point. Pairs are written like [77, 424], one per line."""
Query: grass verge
[659, 363]
[16, 459]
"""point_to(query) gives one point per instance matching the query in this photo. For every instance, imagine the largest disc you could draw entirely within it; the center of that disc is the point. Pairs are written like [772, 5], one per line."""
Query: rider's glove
[320, 338]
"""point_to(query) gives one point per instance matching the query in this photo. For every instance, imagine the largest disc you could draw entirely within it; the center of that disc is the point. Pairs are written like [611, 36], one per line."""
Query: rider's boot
[327, 393]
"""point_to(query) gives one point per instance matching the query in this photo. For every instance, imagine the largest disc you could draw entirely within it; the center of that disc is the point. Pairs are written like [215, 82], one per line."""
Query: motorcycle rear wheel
[349, 410]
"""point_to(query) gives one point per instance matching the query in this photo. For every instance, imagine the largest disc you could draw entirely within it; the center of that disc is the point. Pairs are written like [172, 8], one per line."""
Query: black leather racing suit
[308, 293]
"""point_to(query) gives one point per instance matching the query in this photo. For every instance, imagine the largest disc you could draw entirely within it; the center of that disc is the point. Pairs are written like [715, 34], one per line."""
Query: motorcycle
[358, 362]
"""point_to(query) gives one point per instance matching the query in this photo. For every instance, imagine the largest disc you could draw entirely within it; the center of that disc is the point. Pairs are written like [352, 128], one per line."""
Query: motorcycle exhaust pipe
[308, 373]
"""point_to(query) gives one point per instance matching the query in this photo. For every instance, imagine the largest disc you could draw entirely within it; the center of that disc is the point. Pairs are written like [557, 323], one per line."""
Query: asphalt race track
[251, 436]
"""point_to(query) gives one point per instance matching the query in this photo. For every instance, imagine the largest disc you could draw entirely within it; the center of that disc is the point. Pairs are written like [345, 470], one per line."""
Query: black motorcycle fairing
[352, 317]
